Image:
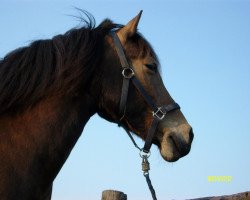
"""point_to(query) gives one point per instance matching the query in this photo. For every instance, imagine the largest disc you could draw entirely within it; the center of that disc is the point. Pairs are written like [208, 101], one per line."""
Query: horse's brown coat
[50, 89]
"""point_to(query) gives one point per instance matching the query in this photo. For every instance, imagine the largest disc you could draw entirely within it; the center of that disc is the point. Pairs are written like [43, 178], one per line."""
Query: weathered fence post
[113, 195]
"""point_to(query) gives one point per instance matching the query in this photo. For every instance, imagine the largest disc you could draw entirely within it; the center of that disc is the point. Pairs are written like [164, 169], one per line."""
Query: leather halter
[128, 75]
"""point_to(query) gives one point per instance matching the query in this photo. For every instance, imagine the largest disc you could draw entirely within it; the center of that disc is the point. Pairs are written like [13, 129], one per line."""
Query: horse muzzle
[176, 142]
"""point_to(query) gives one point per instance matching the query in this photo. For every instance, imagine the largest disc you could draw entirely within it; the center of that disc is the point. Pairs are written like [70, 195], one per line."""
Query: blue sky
[204, 50]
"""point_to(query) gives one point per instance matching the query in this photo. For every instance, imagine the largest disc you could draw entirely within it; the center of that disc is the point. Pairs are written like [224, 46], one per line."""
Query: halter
[158, 113]
[128, 75]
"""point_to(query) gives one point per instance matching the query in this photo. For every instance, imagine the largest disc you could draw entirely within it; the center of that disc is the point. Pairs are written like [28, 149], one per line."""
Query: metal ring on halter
[160, 114]
[128, 72]
[144, 154]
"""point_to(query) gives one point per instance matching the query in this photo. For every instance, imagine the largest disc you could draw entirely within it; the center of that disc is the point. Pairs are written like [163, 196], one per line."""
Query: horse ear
[130, 28]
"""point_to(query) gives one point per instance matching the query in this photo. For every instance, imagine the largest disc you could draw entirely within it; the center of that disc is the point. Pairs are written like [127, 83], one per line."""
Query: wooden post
[113, 195]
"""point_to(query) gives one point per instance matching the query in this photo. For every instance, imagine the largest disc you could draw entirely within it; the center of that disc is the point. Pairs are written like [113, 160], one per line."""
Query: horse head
[173, 134]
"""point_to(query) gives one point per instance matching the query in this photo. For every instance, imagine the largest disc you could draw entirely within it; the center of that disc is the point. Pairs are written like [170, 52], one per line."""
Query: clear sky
[204, 49]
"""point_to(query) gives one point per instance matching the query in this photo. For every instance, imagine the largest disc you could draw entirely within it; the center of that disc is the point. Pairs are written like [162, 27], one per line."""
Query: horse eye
[152, 67]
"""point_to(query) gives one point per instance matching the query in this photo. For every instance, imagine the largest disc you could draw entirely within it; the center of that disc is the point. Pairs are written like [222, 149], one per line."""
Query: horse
[50, 89]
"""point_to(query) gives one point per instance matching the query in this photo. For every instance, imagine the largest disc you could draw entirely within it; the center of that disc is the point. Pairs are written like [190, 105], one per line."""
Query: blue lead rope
[150, 186]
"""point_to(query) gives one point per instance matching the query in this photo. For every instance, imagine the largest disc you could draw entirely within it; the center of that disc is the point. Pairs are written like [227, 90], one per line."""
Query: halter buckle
[128, 72]
[159, 113]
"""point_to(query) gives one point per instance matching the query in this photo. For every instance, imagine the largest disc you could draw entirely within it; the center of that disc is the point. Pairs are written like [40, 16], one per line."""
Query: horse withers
[51, 88]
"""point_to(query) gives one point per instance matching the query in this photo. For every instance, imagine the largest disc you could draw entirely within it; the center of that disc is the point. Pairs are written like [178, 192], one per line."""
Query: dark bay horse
[51, 88]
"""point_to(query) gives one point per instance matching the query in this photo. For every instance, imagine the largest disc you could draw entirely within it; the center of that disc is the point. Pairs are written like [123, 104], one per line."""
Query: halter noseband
[128, 74]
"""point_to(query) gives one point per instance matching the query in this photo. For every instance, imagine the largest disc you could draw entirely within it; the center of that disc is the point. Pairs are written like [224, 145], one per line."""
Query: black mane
[61, 64]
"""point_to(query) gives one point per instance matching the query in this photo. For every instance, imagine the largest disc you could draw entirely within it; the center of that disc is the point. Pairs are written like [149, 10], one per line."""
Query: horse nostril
[191, 135]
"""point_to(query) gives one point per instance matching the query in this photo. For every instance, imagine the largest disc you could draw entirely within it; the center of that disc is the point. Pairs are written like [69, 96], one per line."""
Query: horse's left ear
[130, 29]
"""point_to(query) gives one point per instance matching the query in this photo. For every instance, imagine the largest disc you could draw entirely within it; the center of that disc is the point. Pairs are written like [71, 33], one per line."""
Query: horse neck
[36, 143]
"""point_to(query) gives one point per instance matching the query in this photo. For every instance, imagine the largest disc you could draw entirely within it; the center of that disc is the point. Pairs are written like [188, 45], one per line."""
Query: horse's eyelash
[152, 67]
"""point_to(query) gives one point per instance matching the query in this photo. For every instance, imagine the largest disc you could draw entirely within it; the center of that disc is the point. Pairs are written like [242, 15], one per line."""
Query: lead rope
[145, 164]
[145, 168]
